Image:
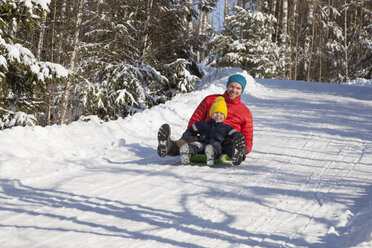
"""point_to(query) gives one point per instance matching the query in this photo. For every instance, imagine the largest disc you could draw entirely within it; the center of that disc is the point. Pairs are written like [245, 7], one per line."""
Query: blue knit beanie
[237, 78]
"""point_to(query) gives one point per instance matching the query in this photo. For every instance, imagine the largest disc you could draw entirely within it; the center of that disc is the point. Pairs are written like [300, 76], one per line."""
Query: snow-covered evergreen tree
[364, 64]
[180, 77]
[112, 81]
[360, 41]
[127, 57]
[246, 42]
[23, 79]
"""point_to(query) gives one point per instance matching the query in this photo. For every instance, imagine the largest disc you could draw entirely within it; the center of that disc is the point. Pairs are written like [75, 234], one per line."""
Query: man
[239, 117]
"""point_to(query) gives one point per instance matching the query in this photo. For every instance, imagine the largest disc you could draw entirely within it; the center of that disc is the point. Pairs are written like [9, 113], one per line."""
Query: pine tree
[23, 79]
[112, 79]
[246, 42]
[360, 41]
[133, 56]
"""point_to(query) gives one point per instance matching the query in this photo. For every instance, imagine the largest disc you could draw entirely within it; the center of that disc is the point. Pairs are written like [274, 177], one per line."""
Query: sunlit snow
[306, 183]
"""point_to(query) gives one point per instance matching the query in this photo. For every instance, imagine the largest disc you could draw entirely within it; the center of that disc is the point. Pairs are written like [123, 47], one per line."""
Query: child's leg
[168, 147]
[198, 147]
[211, 154]
[188, 150]
[174, 146]
[217, 149]
[213, 151]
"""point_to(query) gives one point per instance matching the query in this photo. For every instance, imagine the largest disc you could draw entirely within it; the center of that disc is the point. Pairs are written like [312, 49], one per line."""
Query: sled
[202, 159]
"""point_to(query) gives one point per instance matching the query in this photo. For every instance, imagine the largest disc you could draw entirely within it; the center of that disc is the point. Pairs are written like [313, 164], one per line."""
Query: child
[210, 134]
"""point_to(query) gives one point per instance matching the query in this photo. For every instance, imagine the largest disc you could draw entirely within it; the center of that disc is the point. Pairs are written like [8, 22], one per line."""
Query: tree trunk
[190, 26]
[320, 47]
[346, 46]
[53, 31]
[326, 39]
[200, 30]
[360, 29]
[52, 45]
[297, 45]
[284, 19]
[72, 62]
[206, 21]
[41, 36]
[145, 33]
[226, 12]
[278, 17]
[293, 21]
[309, 41]
[61, 38]
[273, 7]
[284, 33]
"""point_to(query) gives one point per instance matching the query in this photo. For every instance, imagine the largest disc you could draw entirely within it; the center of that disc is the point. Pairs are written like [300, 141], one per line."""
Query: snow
[20, 54]
[306, 183]
[43, 3]
[3, 62]
[360, 82]
[31, 3]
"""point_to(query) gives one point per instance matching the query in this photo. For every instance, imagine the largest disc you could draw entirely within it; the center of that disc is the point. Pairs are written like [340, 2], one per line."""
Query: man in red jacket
[238, 116]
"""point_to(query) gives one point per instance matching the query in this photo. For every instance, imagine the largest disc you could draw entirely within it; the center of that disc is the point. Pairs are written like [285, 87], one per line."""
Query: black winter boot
[163, 140]
[239, 149]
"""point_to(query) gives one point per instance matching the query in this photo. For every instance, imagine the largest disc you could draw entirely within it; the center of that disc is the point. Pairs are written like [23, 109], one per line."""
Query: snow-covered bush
[124, 89]
[180, 77]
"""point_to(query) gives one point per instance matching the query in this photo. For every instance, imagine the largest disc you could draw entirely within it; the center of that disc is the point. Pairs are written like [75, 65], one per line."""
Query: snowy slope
[307, 182]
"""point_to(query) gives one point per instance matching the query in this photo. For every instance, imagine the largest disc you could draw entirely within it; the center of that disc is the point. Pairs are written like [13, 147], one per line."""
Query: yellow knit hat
[219, 105]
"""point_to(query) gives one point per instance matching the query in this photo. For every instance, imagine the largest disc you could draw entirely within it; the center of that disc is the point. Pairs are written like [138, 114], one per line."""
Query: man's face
[234, 90]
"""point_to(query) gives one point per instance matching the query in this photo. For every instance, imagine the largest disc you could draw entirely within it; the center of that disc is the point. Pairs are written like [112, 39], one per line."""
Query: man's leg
[235, 148]
[175, 145]
[169, 147]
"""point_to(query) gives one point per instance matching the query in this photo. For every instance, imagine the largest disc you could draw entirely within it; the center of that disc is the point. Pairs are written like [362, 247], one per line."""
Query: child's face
[218, 116]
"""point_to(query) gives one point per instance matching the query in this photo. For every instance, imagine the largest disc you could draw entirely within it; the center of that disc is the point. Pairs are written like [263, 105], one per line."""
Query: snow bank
[219, 76]
[362, 82]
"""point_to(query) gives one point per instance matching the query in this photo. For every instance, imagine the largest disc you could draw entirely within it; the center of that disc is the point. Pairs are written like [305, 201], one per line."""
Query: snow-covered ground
[307, 182]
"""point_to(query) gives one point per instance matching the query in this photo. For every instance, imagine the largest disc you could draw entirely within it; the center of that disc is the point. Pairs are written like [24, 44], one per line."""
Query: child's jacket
[210, 131]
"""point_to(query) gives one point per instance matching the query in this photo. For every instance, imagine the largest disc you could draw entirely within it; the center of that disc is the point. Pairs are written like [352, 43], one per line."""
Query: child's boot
[186, 153]
[211, 154]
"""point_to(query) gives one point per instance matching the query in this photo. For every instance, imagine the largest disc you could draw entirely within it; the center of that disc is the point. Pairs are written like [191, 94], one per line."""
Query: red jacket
[238, 116]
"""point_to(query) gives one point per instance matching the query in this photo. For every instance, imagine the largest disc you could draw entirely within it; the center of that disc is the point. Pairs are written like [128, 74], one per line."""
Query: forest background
[62, 61]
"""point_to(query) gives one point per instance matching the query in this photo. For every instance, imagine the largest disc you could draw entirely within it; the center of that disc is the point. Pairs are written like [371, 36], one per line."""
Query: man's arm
[200, 113]
[247, 130]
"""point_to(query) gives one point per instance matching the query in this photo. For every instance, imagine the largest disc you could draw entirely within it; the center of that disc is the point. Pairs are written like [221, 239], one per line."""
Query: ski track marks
[307, 182]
